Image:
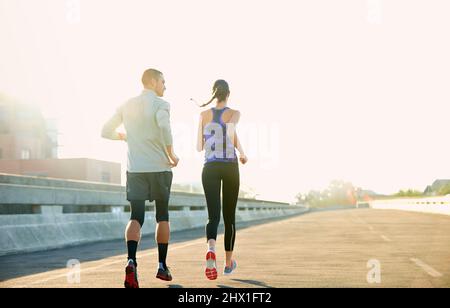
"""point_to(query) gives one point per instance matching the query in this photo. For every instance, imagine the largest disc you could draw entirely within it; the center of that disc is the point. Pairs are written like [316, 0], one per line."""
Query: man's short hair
[149, 75]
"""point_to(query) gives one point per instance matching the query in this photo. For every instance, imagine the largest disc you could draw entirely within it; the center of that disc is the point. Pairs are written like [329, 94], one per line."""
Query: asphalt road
[347, 248]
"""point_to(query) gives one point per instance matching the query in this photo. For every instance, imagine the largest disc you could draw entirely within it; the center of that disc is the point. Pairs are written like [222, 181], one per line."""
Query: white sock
[212, 249]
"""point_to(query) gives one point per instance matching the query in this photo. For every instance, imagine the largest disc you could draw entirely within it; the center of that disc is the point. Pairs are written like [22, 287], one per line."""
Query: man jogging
[150, 158]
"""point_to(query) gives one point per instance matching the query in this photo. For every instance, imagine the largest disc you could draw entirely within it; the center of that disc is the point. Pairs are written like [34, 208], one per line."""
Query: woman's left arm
[200, 139]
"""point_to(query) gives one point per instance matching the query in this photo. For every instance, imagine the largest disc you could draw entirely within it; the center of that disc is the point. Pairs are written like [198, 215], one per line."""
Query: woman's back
[219, 144]
[227, 115]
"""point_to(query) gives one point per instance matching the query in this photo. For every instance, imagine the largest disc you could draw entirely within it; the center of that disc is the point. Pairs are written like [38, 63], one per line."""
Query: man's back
[147, 123]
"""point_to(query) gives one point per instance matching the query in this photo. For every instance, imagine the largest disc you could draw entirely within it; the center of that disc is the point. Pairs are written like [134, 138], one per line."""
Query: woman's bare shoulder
[235, 115]
[206, 115]
[205, 112]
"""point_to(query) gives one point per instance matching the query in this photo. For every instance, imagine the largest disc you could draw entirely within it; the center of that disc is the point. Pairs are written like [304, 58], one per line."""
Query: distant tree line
[338, 193]
[342, 193]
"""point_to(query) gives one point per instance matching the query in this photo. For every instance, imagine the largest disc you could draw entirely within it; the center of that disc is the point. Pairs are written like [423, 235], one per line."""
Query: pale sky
[351, 89]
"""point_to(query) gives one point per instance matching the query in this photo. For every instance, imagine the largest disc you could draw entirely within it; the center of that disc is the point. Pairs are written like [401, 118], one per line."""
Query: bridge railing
[28, 195]
[40, 213]
[435, 205]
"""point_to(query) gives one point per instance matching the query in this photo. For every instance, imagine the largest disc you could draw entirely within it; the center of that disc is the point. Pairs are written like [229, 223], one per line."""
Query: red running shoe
[211, 266]
[131, 277]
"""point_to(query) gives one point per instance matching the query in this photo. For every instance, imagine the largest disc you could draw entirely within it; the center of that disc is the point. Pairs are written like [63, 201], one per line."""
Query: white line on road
[430, 271]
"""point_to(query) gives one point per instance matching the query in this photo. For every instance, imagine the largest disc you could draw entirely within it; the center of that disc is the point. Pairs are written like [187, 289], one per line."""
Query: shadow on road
[254, 282]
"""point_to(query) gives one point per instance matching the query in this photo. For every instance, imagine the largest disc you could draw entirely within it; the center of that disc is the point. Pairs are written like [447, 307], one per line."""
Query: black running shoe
[164, 274]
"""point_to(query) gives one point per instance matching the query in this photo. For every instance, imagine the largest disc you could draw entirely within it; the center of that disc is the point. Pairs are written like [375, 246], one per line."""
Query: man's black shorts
[149, 186]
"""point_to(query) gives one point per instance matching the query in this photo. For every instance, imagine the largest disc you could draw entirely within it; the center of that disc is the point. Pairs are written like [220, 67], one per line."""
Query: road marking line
[430, 271]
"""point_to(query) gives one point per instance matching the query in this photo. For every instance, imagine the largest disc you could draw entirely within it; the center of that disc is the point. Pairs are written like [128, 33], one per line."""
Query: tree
[409, 193]
[301, 199]
[444, 190]
[338, 193]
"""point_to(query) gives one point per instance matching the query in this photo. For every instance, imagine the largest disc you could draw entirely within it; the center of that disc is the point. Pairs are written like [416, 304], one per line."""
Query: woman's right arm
[235, 117]
[242, 157]
[234, 121]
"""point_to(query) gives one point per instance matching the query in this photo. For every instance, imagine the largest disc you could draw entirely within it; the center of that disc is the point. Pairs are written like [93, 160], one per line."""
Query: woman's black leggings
[214, 174]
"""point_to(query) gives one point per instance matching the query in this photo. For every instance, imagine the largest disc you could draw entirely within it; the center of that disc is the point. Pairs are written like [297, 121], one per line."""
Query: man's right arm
[163, 121]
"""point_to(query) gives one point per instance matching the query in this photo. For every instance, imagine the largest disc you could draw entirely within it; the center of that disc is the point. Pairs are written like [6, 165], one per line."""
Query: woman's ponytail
[211, 100]
[221, 90]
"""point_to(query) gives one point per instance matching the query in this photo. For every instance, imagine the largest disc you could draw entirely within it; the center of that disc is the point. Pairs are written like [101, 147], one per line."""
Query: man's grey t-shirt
[147, 123]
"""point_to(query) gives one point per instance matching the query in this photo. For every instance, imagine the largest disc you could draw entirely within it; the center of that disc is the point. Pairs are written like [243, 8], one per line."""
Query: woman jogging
[218, 137]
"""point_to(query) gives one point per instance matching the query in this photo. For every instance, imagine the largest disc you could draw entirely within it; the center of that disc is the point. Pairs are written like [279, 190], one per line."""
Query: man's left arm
[109, 129]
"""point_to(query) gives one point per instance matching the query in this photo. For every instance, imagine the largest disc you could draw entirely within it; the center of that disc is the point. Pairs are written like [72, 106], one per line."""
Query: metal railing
[28, 195]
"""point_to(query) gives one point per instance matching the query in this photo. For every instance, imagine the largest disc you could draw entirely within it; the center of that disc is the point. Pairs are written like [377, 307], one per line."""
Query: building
[24, 133]
[81, 169]
[28, 146]
[366, 195]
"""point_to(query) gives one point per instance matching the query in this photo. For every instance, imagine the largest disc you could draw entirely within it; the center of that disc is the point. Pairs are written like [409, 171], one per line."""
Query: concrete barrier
[53, 228]
[432, 205]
